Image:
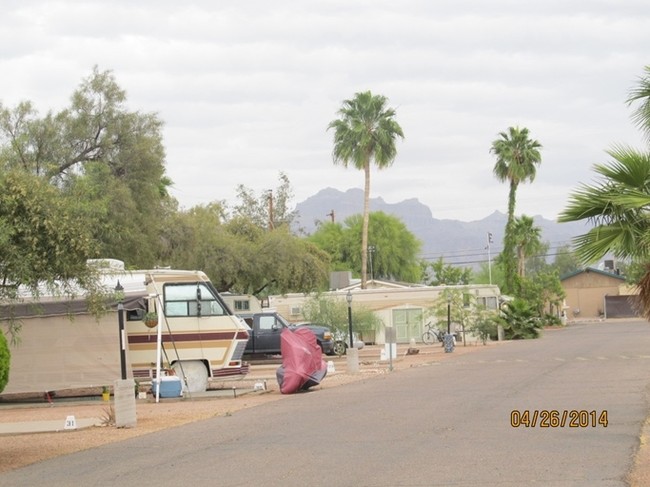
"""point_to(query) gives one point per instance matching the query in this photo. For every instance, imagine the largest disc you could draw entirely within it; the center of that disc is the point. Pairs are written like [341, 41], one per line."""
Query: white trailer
[63, 346]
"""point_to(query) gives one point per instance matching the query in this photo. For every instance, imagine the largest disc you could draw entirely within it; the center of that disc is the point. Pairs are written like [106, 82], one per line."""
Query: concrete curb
[54, 426]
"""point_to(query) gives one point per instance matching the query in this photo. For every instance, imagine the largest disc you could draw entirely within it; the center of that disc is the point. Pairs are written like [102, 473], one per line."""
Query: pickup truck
[265, 329]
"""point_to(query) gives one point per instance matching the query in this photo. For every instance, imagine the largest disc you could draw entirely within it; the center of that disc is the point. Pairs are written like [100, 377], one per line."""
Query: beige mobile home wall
[57, 353]
[383, 301]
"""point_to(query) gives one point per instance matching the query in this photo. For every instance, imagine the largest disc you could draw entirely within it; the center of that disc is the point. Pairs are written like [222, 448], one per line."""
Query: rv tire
[196, 374]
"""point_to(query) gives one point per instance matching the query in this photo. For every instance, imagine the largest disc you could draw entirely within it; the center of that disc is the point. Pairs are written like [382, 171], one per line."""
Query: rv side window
[183, 300]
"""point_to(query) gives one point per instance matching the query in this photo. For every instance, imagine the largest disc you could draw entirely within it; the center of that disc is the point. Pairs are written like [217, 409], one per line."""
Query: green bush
[519, 320]
[5, 361]
[485, 326]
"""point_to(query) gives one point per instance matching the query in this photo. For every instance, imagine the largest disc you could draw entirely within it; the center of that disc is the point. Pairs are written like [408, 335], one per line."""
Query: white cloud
[247, 90]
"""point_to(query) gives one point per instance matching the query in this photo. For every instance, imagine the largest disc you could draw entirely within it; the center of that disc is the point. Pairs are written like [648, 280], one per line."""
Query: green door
[408, 324]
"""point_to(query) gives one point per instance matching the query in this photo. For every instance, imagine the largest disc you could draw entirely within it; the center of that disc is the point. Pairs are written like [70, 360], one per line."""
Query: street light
[448, 339]
[348, 298]
[120, 320]
[448, 313]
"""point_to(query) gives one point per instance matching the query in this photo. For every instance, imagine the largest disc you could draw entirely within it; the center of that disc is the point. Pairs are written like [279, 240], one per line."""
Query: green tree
[330, 237]
[526, 238]
[99, 153]
[641, 93]
[333, 312]
[269, 210]
[396, 249]
[447, 274]
[617, 206]
[366, 132]
[566, 261]
[517, 159]
[482, 276]
[543, 292]
[240, 256]
[44, 244]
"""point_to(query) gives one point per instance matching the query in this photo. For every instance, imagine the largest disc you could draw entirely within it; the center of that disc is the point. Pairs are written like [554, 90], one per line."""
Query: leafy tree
[98, 153]
[365, 132]
[536, 260]
[526, 238]
[463, 310]
[240, 256]
[43, 242]
[269, 209]
[396, 248]
[333, 312]
[496, 271]
[517, 158]
[291, 264]
[330, 237]
[543, 291]
[485, 325]
[566, 261]
[447, 274]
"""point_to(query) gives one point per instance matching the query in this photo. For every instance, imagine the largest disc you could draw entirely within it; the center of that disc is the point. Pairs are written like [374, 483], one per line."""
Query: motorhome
[63, 346]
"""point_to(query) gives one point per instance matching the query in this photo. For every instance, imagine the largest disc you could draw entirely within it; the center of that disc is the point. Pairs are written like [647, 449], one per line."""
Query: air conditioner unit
[295, 310]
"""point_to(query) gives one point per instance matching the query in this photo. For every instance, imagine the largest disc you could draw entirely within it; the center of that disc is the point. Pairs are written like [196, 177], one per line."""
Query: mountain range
[457, 242]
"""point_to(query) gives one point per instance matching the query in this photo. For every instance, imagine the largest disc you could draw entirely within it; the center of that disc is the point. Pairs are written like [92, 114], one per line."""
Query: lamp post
[448, 314]
[120, 320]
[348, 298]
[448, 339]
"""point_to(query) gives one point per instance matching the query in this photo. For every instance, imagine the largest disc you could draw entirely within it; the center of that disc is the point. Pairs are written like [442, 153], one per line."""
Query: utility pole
[331, 215]
[270, 209]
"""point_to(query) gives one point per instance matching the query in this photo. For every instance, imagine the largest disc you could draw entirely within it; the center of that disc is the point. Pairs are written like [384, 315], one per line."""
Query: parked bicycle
[432, 335]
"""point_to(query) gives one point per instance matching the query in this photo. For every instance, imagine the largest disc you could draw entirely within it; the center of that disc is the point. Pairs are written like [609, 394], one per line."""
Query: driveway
[444, 424]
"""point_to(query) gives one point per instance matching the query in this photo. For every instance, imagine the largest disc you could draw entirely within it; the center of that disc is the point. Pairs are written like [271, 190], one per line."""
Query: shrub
[5, 361]
[519, 320]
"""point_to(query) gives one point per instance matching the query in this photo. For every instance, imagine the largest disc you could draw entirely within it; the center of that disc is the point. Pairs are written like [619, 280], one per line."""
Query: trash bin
[448, 342]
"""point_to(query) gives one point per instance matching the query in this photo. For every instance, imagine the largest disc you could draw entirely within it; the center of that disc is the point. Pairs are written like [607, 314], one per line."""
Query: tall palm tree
[619, 208]
[517, 160]
[365, 132]
[527, 241]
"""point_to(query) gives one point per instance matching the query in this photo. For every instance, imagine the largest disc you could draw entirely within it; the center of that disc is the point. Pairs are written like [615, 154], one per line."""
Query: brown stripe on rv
[183, 337]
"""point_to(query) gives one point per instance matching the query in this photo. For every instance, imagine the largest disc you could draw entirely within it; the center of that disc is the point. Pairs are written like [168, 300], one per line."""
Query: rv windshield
[183, 300]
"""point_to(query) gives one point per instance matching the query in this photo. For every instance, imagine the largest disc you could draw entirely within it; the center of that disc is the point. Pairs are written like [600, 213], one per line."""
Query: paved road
[447, 424]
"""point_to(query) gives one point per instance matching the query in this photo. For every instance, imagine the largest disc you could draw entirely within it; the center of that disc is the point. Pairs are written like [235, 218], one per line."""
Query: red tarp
[302, 363]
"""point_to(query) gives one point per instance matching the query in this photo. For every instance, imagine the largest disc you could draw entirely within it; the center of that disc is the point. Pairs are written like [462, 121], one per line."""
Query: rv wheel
[195, 373]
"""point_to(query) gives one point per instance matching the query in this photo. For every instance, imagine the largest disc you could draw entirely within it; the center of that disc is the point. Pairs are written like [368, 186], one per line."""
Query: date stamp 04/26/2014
[554, 418]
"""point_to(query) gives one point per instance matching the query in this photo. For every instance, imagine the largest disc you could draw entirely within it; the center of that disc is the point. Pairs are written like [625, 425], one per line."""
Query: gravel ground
[20, 450]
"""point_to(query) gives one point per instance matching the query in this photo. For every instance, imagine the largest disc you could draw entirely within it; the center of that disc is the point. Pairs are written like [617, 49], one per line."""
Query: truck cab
[266, 327]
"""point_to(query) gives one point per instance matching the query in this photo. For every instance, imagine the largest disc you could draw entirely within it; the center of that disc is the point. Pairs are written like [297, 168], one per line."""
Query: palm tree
[517, 158]
[641, 115]
[366, 131]
[618, 207]
[527, 241]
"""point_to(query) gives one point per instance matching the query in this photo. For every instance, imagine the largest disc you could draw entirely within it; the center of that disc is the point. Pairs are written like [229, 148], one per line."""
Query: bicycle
[432, 335]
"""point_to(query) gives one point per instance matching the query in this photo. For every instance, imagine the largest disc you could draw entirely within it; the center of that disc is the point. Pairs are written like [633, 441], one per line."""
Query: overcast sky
[247, 89]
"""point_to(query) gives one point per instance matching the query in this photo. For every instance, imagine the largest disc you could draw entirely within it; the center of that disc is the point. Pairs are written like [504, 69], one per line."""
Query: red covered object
[302, 362]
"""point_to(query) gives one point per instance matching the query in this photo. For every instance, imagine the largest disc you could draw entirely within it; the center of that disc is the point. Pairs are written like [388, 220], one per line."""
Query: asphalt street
[447, 424]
